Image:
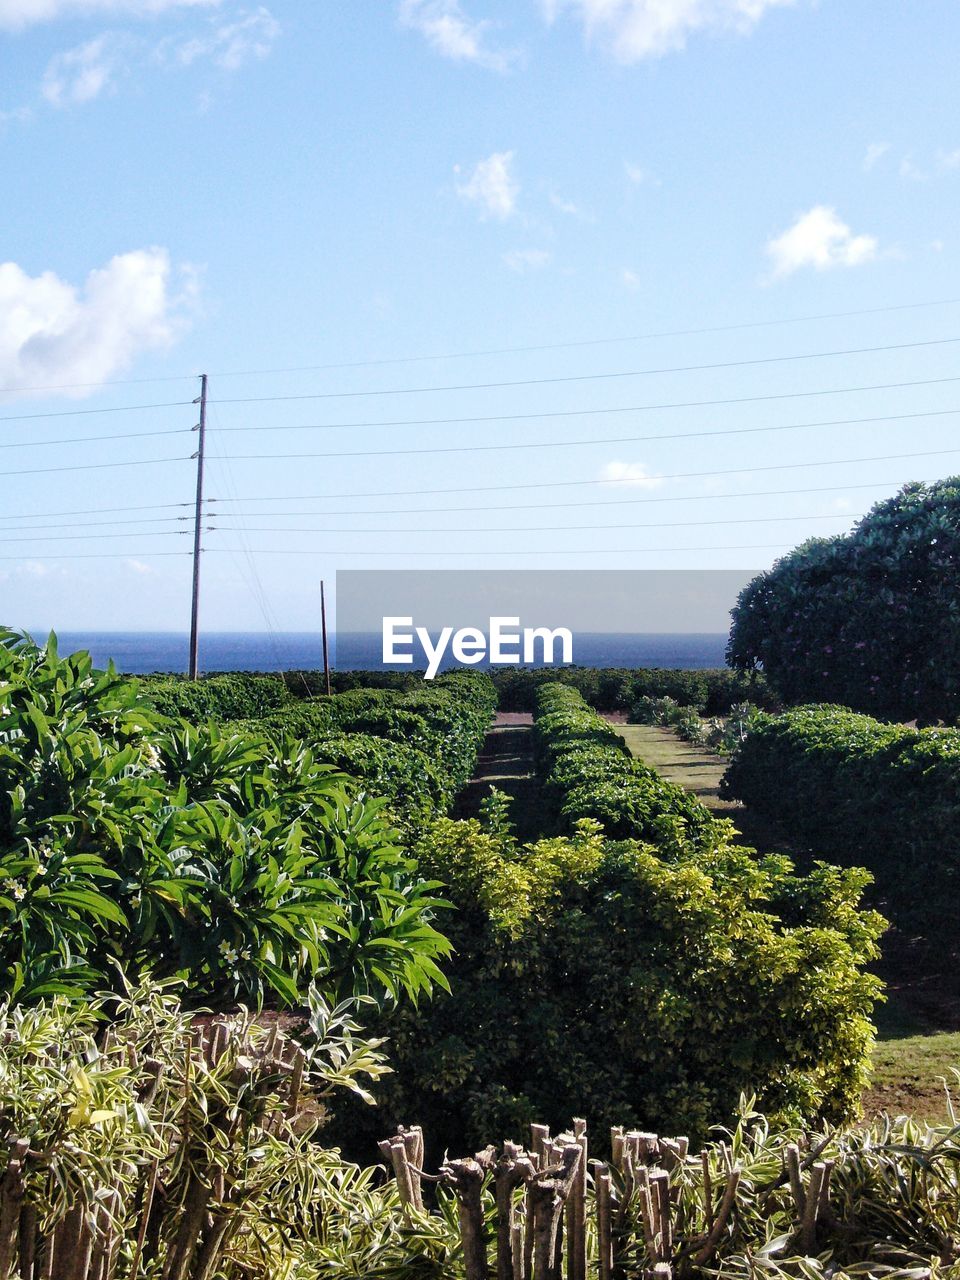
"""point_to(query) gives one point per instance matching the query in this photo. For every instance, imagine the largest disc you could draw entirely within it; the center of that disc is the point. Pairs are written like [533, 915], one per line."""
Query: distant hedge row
[859, 791]
[711, 691]
[417, 749]
[586, 771]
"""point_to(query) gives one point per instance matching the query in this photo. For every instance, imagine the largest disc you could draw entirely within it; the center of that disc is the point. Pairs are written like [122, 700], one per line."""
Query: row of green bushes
[134, 844]
[858, 790]
[596, 977]
[711, 691]
[416, 749]
[587, 771]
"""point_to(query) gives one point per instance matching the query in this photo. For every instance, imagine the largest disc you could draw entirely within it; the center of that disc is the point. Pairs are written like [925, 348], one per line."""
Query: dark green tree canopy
[870, 620]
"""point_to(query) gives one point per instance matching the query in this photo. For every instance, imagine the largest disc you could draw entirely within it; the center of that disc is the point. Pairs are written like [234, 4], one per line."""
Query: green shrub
[868, 620]
[593, 978]
[857, 790]
[586, 771]
[235, 695]
[712, 691]
[248, 866]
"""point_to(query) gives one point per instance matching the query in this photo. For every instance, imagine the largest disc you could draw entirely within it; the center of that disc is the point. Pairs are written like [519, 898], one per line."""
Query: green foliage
[235, 695]
[712, 691]
[587, 771]
[594, 978]
[855, 789]
[870, 620]
[416, 748]
[244, 864]
[107, 1115]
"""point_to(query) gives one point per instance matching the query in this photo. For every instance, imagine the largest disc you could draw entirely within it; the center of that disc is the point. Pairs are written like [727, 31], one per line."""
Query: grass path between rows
[910, 1071]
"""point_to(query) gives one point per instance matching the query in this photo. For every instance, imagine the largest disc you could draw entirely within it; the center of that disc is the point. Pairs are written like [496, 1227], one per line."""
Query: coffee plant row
[858, 790]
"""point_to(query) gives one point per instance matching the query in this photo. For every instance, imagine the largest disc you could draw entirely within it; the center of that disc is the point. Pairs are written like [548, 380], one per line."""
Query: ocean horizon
[144, 652]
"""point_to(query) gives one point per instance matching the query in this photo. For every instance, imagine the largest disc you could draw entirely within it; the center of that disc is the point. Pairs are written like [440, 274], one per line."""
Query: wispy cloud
[452, 34]
[819, 239]
[491, 186]
[230, 45]
[632, 474]
[874, 154]
[55, 333]
[948, 160]
[638, 29]
[639, 176]
[911, 172]
[521, 260]
[83, 73]
[17, 14]
[631, 279]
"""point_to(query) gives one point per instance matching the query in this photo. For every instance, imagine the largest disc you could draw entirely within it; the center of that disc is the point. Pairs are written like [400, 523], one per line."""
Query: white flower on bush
[228, 953]
[151, 756]
[15, 890]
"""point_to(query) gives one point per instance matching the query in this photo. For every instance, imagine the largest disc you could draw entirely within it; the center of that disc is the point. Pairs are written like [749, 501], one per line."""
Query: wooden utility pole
[197, 528]
[323, 625]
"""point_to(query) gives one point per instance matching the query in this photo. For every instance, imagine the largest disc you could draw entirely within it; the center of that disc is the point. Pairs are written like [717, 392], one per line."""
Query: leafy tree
[870, 620]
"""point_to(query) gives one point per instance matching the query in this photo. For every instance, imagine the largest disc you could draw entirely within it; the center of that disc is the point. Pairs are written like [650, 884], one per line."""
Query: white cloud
[631, 279]
[52, 332]
[492, 185]
[449, 31]
[82, 74]
[521, 260]
[565, 206]
[911, 172]
[821, 240]
[637, 29]
[947, 160]
[629, 473]
[16, 14]
[138, 566]
[231, 44]
[640, 176]
[874, 154]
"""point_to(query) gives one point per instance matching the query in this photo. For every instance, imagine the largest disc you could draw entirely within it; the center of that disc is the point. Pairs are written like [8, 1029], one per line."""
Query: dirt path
[506, 762]
[699, 771]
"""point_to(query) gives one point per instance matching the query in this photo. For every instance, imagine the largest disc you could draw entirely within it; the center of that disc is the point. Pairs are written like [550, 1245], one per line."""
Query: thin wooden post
[577, 1210]
[197, 531]
[323, 626]
[466, 1177]
[513, 1169]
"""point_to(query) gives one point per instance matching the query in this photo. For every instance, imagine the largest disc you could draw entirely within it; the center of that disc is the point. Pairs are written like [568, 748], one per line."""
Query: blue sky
[308, 200]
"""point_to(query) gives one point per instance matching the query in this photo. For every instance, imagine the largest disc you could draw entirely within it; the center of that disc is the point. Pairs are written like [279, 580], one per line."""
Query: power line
[595, 377]
[95, 466]
[582, 413]
[563, 484]
[126, 435]
[86, 537]
[102, 555]
[552, 551]
[549, 506]
[591, 342]
[554, 528]
[591, 440]
[78, 413]
[496, 351]
[103, 524]
[95, 511]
